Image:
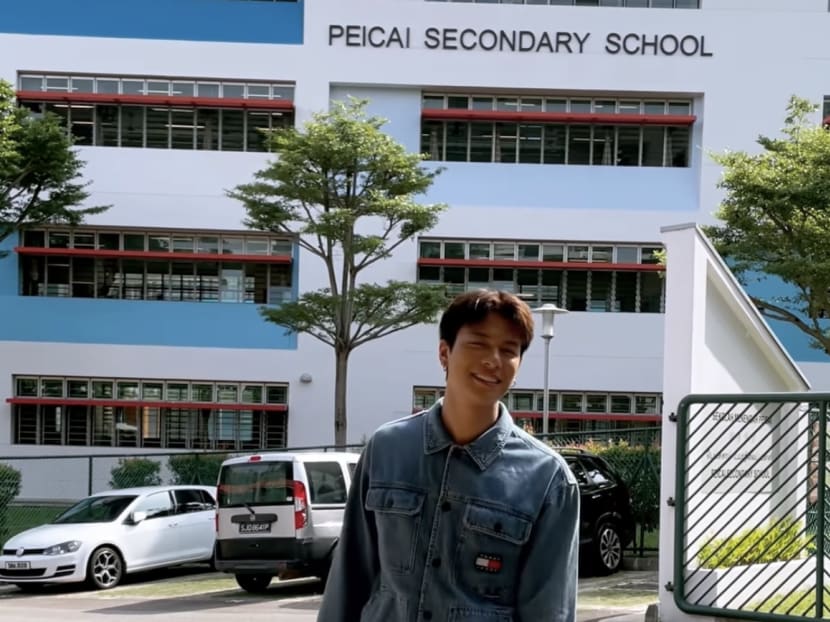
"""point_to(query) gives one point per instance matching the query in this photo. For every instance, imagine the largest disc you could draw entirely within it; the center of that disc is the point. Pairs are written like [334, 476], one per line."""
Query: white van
[280, 514]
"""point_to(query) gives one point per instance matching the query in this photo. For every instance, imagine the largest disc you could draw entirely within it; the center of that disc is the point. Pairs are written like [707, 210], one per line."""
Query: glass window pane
[482, 103]
[602, 254]
[182, 129]
[82, 123]
[106, 126]
[57, 84]
[458, 101]
[127, 390]
[481, 142]
[680, 108]
[454, 250]
[645, 404]
[626, 292]
[183, 89]
[628, 146]
[604, 146]
[102, 389]
[576, 291]
[207, 89]
[431, 250]
[600, 292]
[233, 91]
[651, 290]
[177, 392]
[252, 394]
[628, 254]
[529, 252]
[276, 395]
[553, 252]
[233, 246]
[429, 273]
[256, 247]
[433, 102]
[677, 146]
[555, 143]
[596, 403]
[572, 402]
[580, 105]
[259, 91]
[530, 144]
[620, 404]
[152, 390]
[556, 105]
[26, 387]
[207, 129]
[158, 128]
[653, 138]
[132, 126]
[31, 83]
[503, 250]
[579, 144]
[207, 245]
[432, 139]
[58, 239]
[506, 142]
[233, 134]
[479, 250]
[158, 87]
[202, 392]
[456, 141]
[106, 85]
[655, 107]
[257, 130]
[182, 244]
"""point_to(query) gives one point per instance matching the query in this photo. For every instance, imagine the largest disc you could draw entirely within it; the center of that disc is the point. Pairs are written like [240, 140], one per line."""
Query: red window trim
[155, 100]
[59, 401]
[589, 416]
[563, 265]
[587, 118]
[39, 251]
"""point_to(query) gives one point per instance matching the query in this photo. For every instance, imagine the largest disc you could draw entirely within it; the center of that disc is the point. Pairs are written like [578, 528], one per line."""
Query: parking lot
[190, 592]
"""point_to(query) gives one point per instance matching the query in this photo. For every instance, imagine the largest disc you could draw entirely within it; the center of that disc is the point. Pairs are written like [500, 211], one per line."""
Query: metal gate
[752, 526]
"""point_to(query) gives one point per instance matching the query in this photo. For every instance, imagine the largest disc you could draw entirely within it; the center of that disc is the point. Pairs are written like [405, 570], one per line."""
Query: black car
[606, 524]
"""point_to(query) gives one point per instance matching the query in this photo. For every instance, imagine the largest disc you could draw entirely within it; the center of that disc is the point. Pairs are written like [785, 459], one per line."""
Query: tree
[39, 170]
[775, 220]
[346, 190]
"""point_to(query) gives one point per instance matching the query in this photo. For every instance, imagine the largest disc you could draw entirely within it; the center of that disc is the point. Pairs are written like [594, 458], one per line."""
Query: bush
[780, 540]
[9, 489]
[132, 472]
[190, 469]
[639, 468]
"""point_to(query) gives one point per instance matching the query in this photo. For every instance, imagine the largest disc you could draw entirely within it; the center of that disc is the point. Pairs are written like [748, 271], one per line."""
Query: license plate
[254, 527]
[17, 565]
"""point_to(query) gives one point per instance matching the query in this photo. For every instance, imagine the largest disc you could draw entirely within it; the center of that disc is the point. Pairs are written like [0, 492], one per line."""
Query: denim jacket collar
[483, 450]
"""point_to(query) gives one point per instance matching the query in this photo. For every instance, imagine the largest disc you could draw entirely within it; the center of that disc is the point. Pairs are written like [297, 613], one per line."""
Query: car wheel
[254, 583]
[105, 568]
[608, 549]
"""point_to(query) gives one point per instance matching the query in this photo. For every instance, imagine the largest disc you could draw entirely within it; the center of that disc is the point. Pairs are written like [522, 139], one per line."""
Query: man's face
[484, 361]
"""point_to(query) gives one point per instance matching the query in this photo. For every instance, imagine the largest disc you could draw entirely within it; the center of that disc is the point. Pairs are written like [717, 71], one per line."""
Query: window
[145, 113]
[211, 416]
[326, 482]
[186, 276]
[557, 137]
[589, 281]
[156, 505]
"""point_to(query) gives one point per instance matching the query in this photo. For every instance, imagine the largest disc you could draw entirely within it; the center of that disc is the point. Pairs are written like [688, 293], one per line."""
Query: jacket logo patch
[488, 563]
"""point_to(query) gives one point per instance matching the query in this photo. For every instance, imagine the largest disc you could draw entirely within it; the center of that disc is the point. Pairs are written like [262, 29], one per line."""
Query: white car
[105, 536]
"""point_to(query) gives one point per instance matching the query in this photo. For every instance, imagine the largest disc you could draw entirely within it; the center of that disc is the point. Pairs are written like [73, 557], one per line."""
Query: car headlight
[63, 547]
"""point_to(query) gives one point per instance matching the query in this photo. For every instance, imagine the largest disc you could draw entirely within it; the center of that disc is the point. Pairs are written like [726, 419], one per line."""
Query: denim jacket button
[445, 507]
[497, 527]
[427, 615]
[436, 562]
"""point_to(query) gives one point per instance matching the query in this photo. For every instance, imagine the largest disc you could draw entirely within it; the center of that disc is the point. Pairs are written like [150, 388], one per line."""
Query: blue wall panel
[131, 322]
[188, 20]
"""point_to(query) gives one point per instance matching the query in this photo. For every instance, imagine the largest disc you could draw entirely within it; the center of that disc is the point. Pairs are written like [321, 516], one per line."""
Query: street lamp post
[548, 312]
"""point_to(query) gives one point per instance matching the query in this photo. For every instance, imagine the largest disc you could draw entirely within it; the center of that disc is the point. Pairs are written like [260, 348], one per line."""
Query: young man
[456, 514]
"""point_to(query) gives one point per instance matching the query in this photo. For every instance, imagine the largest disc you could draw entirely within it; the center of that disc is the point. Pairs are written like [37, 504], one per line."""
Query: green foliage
[40, 173]
[639, 468]
[776, 219]
[191, 469]
[9, 489]
[132, 472]
[800, 603]
[346, 192]
[778, 540]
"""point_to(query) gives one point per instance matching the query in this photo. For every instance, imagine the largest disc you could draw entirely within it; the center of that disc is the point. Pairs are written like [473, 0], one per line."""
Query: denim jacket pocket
[489, 551]
[397, 516]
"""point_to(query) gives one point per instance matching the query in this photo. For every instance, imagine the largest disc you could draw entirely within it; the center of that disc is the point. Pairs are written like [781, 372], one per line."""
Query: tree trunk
[340, 383]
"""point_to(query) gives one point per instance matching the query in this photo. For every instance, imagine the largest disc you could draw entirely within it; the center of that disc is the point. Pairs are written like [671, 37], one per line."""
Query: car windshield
[103, 509]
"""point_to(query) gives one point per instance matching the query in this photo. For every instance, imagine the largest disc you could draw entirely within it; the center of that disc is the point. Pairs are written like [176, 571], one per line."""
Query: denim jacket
[486, 531]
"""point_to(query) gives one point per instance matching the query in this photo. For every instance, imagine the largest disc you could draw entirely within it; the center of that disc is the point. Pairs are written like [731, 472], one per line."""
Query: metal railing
[751, 542]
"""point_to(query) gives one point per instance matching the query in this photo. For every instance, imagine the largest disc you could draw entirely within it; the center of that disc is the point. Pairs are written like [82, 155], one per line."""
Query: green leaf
[775, 219]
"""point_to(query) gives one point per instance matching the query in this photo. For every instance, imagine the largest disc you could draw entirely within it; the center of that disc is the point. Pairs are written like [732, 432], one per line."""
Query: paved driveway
[189, 594]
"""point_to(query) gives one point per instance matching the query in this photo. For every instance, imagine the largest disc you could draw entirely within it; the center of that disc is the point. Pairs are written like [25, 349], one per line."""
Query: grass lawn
[22, 517]
[796, 604]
